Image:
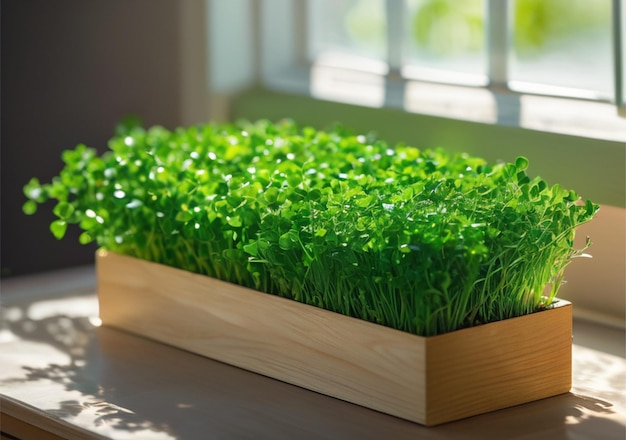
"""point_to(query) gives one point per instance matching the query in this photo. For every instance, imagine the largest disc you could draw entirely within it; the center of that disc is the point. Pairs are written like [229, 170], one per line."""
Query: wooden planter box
[429, 380]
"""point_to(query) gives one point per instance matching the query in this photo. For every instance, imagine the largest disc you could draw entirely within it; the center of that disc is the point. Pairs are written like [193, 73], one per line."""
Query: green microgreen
[423, 241]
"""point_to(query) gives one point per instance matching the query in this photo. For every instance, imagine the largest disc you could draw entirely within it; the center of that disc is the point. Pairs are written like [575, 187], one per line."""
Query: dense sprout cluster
[419, 240]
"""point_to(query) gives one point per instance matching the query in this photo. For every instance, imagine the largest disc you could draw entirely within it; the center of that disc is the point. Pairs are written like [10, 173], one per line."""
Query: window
[506, 55]
[557, 47]
[563, 44]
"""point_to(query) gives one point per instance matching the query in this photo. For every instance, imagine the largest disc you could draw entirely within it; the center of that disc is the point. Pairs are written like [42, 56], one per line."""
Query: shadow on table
[115, 382]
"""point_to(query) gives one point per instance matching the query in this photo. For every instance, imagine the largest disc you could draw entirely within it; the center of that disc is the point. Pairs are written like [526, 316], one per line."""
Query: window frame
[498, 54]
[284, 67]
[619, 55]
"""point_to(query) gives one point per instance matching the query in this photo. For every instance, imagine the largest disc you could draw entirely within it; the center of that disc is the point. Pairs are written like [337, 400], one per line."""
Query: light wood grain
[22, 421]
[426, 380]
[499, 365]
[303, 345]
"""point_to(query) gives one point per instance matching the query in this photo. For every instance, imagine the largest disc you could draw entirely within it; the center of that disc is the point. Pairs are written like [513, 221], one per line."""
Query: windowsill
[573, 117]
[61, 372]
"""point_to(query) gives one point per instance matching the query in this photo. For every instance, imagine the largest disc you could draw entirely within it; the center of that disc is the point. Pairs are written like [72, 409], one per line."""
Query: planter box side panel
[499, 365]
[343, 357]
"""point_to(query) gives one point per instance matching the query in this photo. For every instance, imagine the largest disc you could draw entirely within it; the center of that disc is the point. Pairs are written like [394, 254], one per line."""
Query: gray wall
[70, 70]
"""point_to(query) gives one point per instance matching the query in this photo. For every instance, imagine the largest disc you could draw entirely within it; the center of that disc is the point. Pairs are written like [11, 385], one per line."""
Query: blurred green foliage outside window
[564, 43]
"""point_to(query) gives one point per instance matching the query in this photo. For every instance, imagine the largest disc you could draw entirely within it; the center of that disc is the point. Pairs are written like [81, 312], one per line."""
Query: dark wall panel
[71, 70]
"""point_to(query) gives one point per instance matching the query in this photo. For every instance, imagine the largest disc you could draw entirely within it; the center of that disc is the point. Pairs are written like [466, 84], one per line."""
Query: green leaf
[363, 202]
[314, 194]
[252, 249]
[590, 208]
[294, 179]
[522, 178]
[34, 190]
[404, 248]
[285, 242]
[29, 207]
[63, 210]
[183, 216]
[58, 228]
[234, 221]
[521, 163]
[85, 238]
[271, 195]
[321, 232]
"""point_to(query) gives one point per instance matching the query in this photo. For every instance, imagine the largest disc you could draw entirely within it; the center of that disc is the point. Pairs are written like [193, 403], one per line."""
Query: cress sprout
[419, 240]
